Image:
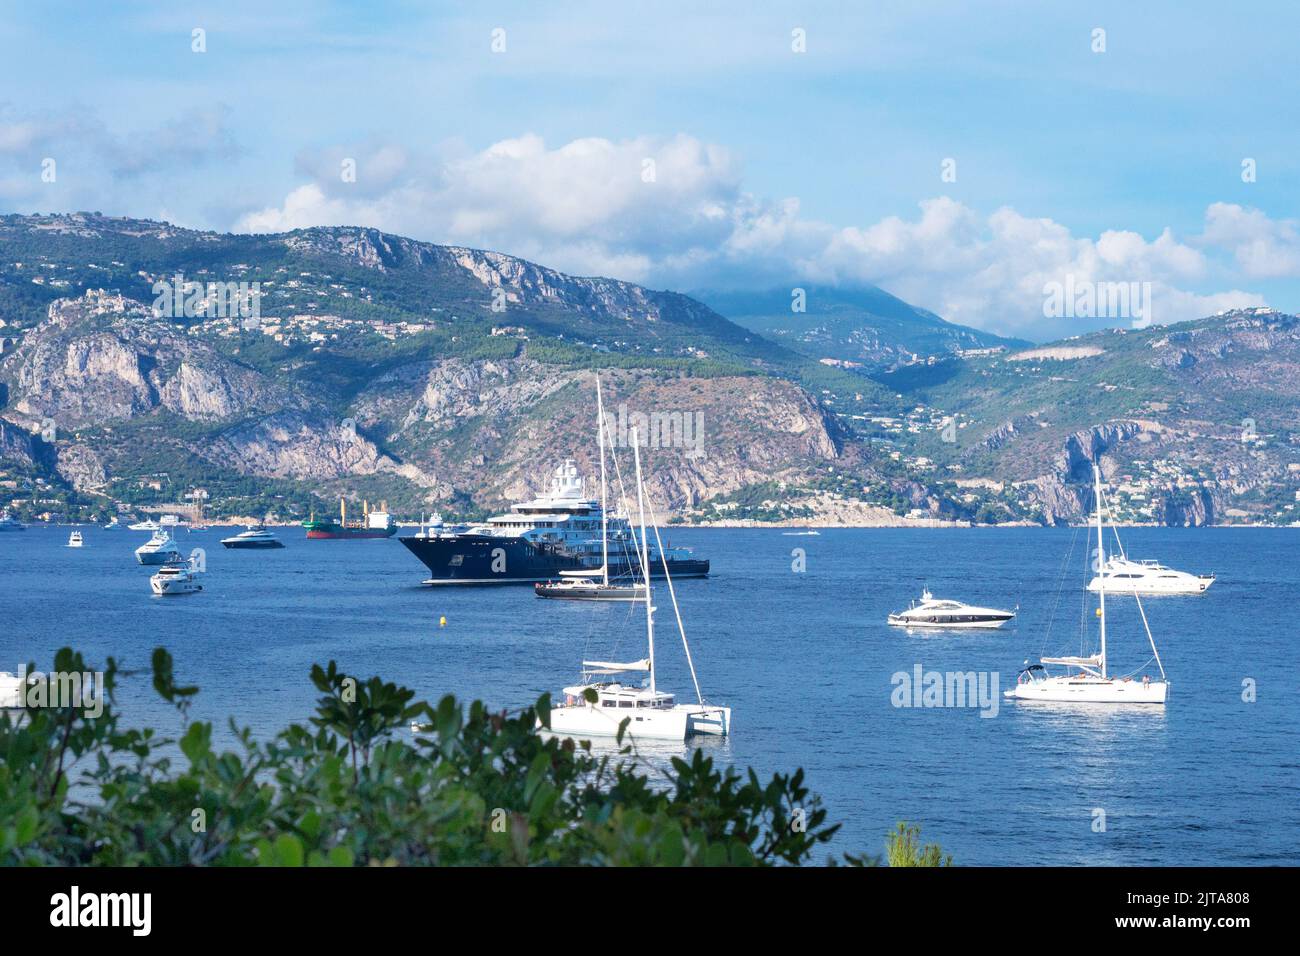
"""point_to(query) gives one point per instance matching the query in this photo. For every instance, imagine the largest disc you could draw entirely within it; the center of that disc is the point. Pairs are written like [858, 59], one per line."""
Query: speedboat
[160, 549]
[1122, 575]
[10, 523]
[1086, 678]
[606, 708]
[932, 612]
[175, 578]
[74, 540]
[257, 537]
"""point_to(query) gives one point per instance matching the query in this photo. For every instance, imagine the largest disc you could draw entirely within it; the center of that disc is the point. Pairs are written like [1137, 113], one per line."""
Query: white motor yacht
[148, 524]
[160, 549]
[177, 578]
[1122, 575]
[939, 613]
[1086, 678]
[9, 523]
[598, 708]
[75, 540]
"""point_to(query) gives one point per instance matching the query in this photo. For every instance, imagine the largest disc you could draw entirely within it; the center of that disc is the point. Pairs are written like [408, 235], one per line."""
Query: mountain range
[375, 367]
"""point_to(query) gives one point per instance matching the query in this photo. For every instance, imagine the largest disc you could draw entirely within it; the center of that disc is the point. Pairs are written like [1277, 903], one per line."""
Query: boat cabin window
[626, 703]
[608, 702]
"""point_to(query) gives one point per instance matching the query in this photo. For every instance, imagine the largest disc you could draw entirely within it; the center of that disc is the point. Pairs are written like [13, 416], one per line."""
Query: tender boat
[939, 613]
[254, 538]
[175, 578]
[1086, 679]
[1122, 575]
[74, 540]
[10, 523]
[651, 714]
[160, 549]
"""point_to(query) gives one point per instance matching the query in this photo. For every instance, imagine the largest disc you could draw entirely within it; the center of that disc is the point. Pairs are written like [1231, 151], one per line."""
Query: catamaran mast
[600, 440]
[643, 553]
[1101, 564]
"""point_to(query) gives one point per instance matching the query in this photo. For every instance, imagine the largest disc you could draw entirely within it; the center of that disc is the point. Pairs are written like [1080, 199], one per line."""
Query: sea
[790, 631]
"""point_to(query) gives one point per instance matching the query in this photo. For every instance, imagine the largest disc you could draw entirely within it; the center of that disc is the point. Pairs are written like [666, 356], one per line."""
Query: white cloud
[1264, 248]
[589, 206]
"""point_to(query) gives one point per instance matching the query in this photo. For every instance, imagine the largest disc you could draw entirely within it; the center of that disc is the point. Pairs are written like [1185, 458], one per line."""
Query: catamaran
[1087, 679]
[595, 585]
[650, 713]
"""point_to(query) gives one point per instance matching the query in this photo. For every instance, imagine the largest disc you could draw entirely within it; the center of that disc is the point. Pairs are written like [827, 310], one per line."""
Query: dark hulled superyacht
[538, 539]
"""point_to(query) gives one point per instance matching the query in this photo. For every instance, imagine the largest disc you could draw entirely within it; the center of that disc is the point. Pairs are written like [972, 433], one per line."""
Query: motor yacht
[9, 523]
[160, 549]
[254, 538]
[939, 613]
[1122, 575]
[175, 578]
[75, 540]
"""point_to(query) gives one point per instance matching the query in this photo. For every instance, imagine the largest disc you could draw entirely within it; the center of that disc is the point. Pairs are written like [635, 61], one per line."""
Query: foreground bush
[357, 787]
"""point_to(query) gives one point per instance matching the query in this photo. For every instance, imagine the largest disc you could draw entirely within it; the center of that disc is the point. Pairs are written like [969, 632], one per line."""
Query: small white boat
[254, 538]
[1122, 575]
[177, 578]
[810, 533]
[11, 690]
[939, 613]
[75, 540]
[651, 714]
[9, 523]
[1086, 679]
[160, 549]
[113, 524]
[148, 524]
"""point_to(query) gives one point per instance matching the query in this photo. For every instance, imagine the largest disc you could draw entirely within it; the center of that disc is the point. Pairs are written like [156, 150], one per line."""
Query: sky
[969, 158]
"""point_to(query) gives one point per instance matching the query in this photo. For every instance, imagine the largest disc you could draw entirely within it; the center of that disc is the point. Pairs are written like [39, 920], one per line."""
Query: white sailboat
[651, 714]
[595, 585]
[1087, 679]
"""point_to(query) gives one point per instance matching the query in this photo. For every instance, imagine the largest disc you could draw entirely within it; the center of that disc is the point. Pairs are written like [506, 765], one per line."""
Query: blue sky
[772, 167]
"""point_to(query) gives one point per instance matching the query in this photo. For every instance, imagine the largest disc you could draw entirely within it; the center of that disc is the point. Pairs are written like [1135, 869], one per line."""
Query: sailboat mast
[1101, 564]
[600, 440]
[644, 554]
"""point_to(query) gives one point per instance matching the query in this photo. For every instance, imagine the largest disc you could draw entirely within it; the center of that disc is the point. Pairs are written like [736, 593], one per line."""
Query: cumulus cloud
[1264, 248]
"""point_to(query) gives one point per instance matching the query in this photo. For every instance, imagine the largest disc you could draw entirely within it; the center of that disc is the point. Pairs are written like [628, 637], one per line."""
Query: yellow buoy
[1096, 611]
[442, 622]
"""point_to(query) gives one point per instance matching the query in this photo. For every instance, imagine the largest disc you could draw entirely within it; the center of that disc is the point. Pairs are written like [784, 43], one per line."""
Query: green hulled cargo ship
[373, 524]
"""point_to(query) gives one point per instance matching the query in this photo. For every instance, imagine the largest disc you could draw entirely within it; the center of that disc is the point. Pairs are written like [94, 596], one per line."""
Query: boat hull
[583, 721]
[344, 534]
[1090, 690]
[1151, 588]
[486, 559]
[252, 545]
[613, 593]
[897, 621]
[174, 588]
[150, 558]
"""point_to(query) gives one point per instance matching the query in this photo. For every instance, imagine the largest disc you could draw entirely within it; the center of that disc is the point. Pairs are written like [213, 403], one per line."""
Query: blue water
[804, 659]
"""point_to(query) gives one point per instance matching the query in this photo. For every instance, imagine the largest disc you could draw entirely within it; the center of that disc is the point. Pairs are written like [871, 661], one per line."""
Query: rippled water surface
[805, 660]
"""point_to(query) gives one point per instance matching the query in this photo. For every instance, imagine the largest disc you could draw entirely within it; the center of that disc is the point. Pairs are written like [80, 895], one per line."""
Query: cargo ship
[373, 524]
